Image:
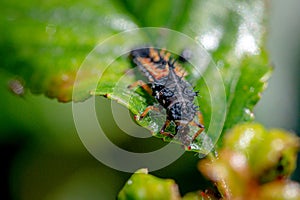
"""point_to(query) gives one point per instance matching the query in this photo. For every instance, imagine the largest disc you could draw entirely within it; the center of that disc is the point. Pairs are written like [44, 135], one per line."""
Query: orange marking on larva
[167, 57]
[162, 53]
[154, 55]
[179, 71]
[157, 73]
[144, 60]
[153, 69]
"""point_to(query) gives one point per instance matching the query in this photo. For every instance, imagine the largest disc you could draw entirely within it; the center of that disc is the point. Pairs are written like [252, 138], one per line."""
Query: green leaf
[250, 83]
[234, 32]
[171, 14]
[47, 45]
[137, 100]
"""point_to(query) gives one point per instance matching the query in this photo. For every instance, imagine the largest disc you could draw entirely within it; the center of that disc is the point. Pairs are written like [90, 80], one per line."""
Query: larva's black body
[166, 84]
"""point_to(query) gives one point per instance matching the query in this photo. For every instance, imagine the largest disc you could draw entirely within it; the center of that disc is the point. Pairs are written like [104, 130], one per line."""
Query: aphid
[168, 86]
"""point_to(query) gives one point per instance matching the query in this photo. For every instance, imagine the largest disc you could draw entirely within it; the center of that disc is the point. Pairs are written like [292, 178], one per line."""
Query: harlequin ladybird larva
[168, 86]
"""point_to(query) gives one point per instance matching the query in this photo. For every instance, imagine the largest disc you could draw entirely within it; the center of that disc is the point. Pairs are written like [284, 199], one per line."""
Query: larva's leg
[201, 128]
[162, 130]
[149, 91]
[199, 125]
[147, 110]
[142, 84]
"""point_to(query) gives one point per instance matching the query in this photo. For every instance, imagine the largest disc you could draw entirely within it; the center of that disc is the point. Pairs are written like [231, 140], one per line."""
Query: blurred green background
[42, 156]
[280, 103]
